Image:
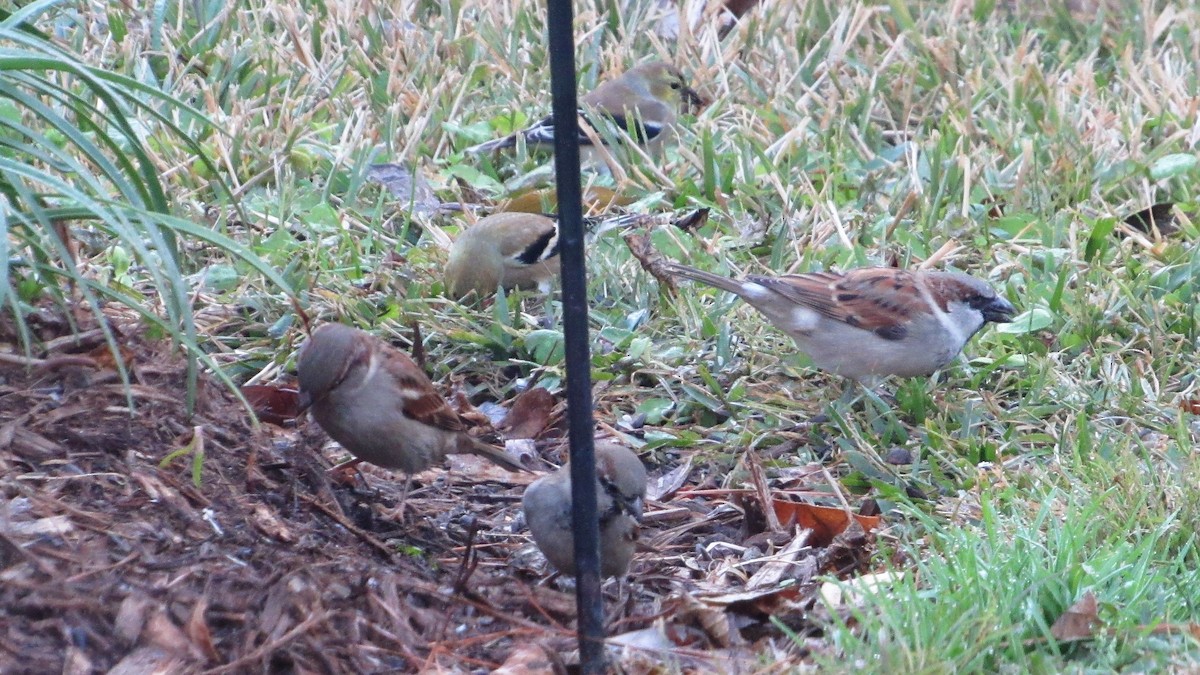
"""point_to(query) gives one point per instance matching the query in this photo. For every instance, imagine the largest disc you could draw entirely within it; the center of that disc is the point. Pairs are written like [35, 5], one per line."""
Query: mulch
[251, 560]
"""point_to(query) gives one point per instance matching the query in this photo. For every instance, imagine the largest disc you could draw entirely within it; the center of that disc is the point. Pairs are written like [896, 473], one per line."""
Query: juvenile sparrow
[619, 494]
[870, 322]
[641, 103]
[379, 405]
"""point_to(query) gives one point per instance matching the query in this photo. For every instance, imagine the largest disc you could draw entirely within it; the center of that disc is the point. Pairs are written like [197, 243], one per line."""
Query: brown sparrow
[379, 405]
[619, 494]
[870, 322]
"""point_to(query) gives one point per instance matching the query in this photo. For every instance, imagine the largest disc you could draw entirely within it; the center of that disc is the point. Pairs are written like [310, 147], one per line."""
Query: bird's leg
[397, 512]
[624, 597]
[546, 320]
[852, 392]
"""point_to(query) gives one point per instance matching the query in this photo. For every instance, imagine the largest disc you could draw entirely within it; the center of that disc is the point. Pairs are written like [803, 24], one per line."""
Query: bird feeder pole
[584, 519]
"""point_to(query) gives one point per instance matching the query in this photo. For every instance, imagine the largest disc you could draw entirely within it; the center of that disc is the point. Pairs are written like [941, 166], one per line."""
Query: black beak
[692, 98]
[998, 310]
[635, 508]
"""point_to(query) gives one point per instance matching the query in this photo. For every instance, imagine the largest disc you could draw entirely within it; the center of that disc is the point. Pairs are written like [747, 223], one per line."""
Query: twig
[268, 647]
[341, 520]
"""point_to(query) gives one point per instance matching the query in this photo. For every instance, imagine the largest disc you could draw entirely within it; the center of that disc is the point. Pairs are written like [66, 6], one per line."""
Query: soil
[250, 559]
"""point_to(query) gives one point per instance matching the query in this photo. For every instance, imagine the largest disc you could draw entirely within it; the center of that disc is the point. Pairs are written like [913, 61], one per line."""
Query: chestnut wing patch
[429, 408]
[877, 299]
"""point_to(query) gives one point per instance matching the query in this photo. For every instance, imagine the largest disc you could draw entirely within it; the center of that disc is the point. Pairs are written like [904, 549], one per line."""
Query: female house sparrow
[379, 405]
[870, 322]
[643, 102]
[619, 495]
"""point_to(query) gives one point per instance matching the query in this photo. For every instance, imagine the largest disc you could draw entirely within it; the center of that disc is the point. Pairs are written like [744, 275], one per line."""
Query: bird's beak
[999, 311]
[635, 507]
[692, 98]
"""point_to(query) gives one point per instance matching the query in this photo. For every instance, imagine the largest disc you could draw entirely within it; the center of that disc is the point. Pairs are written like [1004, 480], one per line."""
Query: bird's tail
[724, 283]
[492, 145]
[598, 225]
[491, 452]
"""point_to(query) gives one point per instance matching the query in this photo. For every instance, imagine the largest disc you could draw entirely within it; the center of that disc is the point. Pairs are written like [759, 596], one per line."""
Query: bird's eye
[676, 84]
[980, 301]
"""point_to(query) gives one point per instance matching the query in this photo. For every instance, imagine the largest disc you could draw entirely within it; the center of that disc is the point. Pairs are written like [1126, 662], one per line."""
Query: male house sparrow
[619, 494]
[870, 322]
[512, 250]
[379, 405]
[643, 102]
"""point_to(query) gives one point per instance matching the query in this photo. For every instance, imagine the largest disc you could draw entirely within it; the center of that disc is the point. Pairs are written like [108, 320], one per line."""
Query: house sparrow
[379, 405]
[619, 493]
[641, 103]
[870, 322]
[512, 250]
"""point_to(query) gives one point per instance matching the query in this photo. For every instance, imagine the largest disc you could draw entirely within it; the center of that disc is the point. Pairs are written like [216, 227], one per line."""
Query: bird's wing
[419, 400]
[878, 299]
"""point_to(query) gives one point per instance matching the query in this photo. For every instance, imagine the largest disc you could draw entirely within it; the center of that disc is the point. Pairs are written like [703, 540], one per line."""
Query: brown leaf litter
[248, 559]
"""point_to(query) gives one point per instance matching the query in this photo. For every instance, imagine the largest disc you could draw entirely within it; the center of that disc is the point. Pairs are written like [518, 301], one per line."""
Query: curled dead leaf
[1079, 621]
[272, 404]
[197, 630]
[1159, 218]
[692, 221]
[530, 414]
[826, 522]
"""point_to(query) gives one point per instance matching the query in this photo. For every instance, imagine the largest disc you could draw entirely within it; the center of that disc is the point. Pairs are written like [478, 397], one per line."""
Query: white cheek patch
[943, 318]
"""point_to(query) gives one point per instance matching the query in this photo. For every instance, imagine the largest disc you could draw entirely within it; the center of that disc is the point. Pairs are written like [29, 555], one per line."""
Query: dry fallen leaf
[826, 522]
[666, 485]
[1078, 622]
[530, 414]
[1158, 218]
[532, 659]
[407, 185]
[473, 416]
[692, 221]
[197, 630]
[854, 591]
[265, 520]
[273, 405]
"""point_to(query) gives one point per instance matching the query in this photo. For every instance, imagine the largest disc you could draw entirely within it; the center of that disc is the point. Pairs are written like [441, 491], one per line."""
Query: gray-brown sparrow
[870, 322]
[619, 495]
[379, 405]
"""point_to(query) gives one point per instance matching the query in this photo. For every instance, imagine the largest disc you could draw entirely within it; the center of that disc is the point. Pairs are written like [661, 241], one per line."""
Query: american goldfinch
[511, 250]
[379, 405]
[619, 495]
[873, 321]
[642, 103]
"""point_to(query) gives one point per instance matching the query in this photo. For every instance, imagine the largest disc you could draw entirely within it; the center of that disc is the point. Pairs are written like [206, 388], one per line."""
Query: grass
[1007, 141]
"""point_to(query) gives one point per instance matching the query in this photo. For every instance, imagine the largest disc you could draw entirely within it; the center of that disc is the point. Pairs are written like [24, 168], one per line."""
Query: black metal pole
[584, 520]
